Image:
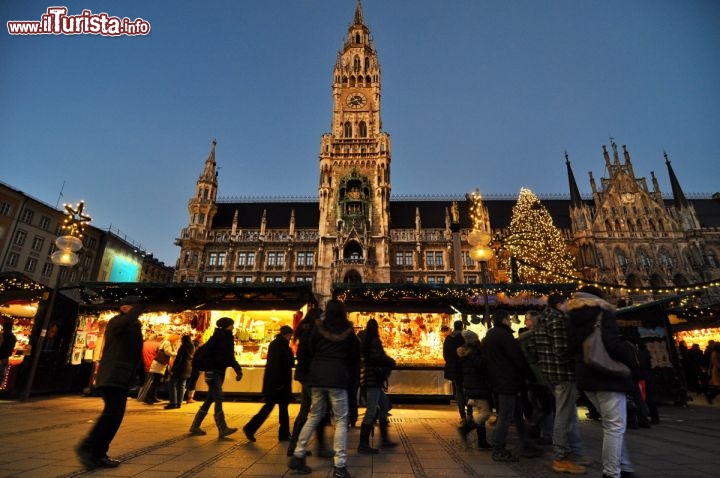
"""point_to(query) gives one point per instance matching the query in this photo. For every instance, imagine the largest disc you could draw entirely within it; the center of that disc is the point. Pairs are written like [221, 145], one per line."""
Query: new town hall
[626, 234]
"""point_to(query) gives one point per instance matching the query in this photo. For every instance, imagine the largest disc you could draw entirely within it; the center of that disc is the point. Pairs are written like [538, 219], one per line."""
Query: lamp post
[479, 238]
[482, 254]
[66, 256]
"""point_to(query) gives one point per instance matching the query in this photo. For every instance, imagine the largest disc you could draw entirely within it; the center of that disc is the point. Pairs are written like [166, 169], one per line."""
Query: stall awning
[439, 298]
[18, 287]
[185, 296]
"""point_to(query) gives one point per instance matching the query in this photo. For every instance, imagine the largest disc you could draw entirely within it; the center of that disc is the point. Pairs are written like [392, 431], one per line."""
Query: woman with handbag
[606, 390]
[166, 351]
[376, 368]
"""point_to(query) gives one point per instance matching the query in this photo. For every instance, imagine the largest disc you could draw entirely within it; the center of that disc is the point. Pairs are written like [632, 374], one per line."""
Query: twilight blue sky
[481, 94]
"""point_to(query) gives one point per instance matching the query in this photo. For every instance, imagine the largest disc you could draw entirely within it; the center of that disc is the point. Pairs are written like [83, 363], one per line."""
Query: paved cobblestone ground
[38, 438]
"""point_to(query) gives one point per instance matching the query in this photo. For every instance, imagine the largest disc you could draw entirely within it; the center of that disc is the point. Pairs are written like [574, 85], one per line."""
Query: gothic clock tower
[354, 186]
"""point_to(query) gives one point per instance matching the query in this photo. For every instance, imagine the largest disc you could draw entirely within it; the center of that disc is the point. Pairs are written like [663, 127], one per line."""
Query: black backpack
[202, 360]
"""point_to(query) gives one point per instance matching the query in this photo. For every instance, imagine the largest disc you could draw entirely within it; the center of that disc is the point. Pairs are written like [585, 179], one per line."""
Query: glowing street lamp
[479, 238]
[66, 256]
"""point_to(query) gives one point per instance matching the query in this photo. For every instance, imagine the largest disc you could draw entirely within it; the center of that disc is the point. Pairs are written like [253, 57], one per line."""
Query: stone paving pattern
[38, 438]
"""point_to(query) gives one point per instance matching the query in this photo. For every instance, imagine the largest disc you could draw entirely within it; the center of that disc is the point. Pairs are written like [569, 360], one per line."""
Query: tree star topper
[75, 219]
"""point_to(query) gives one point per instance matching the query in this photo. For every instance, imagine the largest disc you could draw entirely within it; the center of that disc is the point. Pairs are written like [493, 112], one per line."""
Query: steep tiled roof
[402, 213]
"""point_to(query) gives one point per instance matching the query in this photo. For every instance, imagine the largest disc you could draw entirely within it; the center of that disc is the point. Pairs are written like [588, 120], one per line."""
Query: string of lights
[696, 287]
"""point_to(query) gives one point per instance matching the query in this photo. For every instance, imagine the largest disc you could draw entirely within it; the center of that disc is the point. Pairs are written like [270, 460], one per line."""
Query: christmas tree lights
[535, 241]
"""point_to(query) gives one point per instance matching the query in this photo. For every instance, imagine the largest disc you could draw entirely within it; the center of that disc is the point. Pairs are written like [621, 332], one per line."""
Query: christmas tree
[536, 244]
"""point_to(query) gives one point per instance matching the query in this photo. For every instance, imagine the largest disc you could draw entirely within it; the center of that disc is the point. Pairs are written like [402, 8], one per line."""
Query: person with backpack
[213, 358]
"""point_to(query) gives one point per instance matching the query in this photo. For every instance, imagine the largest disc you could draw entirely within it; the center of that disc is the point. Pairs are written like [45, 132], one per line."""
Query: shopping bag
[595, 354]
[143, 391]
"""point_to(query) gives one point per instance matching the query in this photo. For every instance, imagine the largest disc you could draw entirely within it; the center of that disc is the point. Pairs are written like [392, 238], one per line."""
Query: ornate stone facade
[355, 232]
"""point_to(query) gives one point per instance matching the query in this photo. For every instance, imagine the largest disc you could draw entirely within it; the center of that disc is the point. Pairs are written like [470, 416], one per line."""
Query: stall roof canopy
[184, 296]
[431, 297]
[18, 287]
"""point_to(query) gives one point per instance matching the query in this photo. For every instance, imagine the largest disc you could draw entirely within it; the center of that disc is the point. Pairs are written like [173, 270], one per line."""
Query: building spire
[678, 195]
[210, 172]
[575, 199]
[358, 20]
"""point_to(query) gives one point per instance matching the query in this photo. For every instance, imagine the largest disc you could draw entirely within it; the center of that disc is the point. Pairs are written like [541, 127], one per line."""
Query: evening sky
[485, 94]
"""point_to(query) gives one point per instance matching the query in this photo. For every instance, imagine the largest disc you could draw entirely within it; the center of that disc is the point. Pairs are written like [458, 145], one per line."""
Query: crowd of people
[701, 368]
[531, 381]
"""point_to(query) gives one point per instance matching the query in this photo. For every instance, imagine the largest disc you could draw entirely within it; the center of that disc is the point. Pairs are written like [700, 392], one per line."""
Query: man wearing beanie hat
[477, 390]
[277, 386]
[220, 352]
[508, 370]
[121, 358]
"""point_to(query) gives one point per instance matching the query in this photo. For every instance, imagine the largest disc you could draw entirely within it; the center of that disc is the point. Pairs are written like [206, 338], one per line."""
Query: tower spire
[677, 191]
[209, 172]
[358, 20]
[575, 199]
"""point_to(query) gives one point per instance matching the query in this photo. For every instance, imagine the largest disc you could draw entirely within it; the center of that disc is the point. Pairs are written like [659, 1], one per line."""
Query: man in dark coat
[335, 354]
[214, 358]
[606, 392]
[277, 385]
[452, 369]
[477, 390]
[121, 357]
[508, 370]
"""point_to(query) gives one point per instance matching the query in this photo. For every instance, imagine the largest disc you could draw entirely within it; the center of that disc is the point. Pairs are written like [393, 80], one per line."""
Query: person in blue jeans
[180, 371]
[376, 368]
[214, 359]
[550, 343]
[606, 392]
[334, 352]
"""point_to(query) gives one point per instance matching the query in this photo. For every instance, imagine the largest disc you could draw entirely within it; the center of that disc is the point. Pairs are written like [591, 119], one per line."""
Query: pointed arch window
[367, 67]
[666, 260]
[362, 130]
[621, 260]
[347, 130]
[356, 63]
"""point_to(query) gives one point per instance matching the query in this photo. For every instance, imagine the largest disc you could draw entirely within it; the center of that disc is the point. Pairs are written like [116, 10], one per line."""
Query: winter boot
[223, 429]
[384, 436]
[299, 465]
[322, 450]
[463, 431]
[195, 427]
[190, 395]
[364, 445]
[482, 438]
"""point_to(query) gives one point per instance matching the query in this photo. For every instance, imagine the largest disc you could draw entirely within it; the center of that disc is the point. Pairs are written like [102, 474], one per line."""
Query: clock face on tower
[356, 100]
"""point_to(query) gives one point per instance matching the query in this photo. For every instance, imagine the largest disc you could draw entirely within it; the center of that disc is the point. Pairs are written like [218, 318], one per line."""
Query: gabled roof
[402, 213]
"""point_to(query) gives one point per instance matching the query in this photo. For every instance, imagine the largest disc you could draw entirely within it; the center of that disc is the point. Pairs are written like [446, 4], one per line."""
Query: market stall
[258, 310]
[648, 326]
[411, 318]
[23, 305]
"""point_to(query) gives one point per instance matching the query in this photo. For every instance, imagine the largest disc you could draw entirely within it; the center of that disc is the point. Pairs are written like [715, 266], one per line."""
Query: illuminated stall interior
[19, 297]
[258, 310]
[411, 316]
